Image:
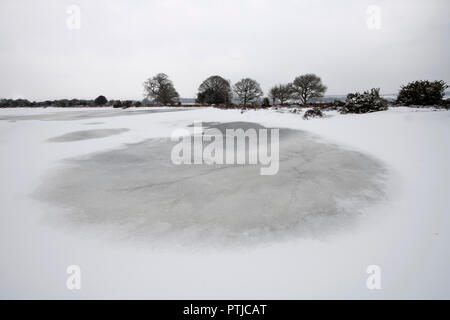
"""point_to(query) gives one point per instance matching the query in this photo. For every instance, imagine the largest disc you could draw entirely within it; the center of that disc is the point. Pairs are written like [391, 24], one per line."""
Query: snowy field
[96, 188]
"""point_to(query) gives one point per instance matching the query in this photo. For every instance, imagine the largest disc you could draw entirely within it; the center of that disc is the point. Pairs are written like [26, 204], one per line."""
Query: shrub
[61, 103]
[446, 103]
[127, 104]
[100, 100]
[338, 103]
[10, 103]
[313, 113]
[265, 103]
[117, 104]
[369, 101]
[422, 93]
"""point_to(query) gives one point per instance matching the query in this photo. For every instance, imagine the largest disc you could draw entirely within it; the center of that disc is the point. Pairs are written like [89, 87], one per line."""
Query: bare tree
[214, 90]
[281, 92]
[247, 90]
[161, 89]
[273, 94]
[308, 86]
[285, 92]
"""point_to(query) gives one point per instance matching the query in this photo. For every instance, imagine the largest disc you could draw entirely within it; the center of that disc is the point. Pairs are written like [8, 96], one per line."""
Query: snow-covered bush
[446, 103]
[423, 93]
[369, 101]
[313, 113]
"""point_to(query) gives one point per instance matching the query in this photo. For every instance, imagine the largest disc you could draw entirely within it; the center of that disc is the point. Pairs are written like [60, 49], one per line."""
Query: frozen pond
[319, 190]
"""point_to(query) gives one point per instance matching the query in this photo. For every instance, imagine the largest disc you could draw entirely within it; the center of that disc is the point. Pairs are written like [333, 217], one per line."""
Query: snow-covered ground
[406, 233]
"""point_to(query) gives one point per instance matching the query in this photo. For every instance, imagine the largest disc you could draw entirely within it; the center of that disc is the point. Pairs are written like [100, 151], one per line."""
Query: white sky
[121, 43]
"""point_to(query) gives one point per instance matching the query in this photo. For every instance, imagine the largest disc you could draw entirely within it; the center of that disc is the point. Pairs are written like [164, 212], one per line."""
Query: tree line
[219, 91]
[215, 90]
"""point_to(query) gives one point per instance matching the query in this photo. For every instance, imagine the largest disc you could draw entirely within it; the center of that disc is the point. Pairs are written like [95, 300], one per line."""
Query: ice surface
[89, 114]
[87, 134]
[319, 189]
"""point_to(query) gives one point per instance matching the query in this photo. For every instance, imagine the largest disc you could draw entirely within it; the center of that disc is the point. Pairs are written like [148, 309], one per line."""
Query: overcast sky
[121, 43]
